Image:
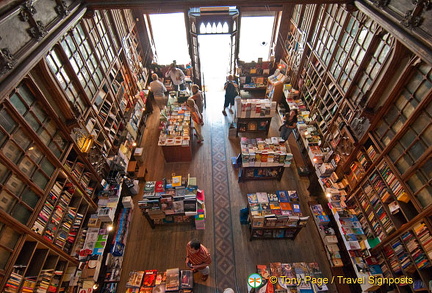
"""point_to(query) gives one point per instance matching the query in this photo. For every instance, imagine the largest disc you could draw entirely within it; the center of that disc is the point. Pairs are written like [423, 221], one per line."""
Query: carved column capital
[62, 9]
[27, 10]
[7, 61]
[410, 20]
[38, 31]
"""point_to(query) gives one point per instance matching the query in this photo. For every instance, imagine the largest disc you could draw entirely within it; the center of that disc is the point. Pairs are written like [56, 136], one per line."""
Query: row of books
[291, 277]
[269, 152]
[327, 234]
[175, 127]
[278, 209]
[254, 108]
[394, 183]
[171, 280]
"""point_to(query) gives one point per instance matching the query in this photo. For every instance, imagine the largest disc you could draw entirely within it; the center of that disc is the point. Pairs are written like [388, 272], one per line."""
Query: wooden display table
[275, 215]
[253, 125]
[175, 136]
[260, 173]
[177, 153]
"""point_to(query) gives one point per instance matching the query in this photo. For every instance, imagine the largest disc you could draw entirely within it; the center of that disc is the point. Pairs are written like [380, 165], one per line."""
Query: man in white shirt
[177, 77]
[158, 89]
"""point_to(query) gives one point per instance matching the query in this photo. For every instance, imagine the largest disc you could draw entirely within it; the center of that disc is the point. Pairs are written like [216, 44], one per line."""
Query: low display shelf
[171, 280]
[263, 158]
[292, 277]
[176, 200]
[254, 115]
[175, 136]
[275, 215]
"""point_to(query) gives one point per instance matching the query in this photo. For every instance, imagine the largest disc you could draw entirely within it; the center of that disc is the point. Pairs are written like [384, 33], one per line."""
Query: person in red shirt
[198, 258]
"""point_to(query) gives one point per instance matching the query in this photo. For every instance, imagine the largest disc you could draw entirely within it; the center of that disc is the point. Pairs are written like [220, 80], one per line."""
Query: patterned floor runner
[224, 246]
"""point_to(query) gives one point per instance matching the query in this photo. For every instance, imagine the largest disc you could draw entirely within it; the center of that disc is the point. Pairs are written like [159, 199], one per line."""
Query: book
[149, 279]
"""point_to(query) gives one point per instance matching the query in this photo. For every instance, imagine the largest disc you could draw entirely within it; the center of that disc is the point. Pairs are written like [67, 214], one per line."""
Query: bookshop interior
[126, 164]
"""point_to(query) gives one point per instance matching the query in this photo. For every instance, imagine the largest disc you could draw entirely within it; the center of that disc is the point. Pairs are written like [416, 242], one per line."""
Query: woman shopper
[290, 122]
[196, 118]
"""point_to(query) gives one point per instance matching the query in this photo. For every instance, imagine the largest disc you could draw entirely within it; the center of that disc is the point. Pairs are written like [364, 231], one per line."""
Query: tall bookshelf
[253, 75]
[80, 92]
[372, 132]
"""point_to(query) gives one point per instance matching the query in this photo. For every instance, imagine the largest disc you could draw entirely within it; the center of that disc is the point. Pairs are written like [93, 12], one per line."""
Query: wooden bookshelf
[253, 75]
[174, 201]
[275, 215]
[260, 125]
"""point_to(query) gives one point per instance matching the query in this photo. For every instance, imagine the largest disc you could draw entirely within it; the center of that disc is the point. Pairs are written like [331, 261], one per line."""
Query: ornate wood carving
[38, 30]
[62, 9]
[411, 20]
[27, 10]
[380, 3]
[7, 61]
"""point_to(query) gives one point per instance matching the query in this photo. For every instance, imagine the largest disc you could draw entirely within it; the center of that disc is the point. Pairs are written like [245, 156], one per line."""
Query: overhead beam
[161, 6]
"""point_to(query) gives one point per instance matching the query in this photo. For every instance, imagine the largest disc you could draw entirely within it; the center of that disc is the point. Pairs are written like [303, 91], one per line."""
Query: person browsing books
[198, 258]
[196, 118]
[290, 122]
[158, 89]
[177, 77]
[231, 91]
[198, 98]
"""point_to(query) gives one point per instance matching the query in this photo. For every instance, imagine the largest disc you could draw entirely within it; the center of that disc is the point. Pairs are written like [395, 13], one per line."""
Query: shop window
[170, 38]
[255, 37]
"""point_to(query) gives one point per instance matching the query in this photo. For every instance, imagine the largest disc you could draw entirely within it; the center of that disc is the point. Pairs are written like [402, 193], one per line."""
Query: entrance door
[212, 20]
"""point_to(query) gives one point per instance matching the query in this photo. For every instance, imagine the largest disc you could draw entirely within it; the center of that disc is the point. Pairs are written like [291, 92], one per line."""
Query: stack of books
[269, 152]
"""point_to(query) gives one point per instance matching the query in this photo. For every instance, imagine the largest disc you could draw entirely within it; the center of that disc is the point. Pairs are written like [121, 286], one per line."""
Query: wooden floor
[164, 247]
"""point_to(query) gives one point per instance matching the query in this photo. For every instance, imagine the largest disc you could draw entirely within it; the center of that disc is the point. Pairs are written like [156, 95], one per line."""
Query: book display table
[254, 115]
[175, 138]
[171, 280]
[275, 215]
[263, 159]
[174, 201]
[292, 277]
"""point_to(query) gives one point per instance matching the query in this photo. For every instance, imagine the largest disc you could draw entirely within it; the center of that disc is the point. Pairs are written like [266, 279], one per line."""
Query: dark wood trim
[26, 64]
[421, 216]
[394, 28]
[166, 6]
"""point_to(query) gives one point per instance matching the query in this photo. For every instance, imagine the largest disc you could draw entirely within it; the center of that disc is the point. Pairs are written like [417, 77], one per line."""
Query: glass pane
[9, 238]
[4, 172]
[18, 104]
[35, 154]
[31, 120]
[416, 181]
[30, 198]
[27, 166]
[21, 139]
[4, 257]
[426, 169]
[39, 113]
[6, 121]
[396, 152]
[15, 185]
[427, 136]
[12, 151]
[398, 124]
[409, 108]
[408, 138]
[404, 163]
[47, 167]
[417, 150]
[424, 196]
[40, 179]
[54, 149]
[7, 201]
[27, 95]
[45, 137]
[21, 214]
